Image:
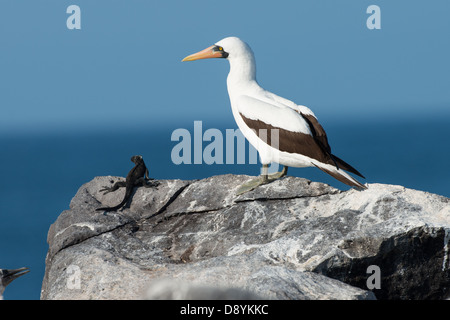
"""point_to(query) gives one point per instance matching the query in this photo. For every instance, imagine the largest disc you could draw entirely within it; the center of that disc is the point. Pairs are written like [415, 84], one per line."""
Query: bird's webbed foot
[251, 185]
[261, 180]
[277, 175]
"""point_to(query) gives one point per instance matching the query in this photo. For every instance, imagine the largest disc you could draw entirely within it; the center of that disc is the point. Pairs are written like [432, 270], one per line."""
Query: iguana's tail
[120, 205]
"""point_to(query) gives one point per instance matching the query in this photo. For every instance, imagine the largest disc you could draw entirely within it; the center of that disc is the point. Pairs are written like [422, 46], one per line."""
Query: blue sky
[124, 66]
[123, 70]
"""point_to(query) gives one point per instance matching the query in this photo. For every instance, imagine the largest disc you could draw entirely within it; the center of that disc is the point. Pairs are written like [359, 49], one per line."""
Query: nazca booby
[299, 140]
[8, 275]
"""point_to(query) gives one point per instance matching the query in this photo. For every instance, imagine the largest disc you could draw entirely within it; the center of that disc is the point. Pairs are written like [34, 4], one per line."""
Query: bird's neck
[242, 70]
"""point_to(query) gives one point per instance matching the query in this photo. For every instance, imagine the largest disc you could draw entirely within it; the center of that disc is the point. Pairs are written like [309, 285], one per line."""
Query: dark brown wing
[314, 146]
[318, 132]
[321, 138]
[289, 141]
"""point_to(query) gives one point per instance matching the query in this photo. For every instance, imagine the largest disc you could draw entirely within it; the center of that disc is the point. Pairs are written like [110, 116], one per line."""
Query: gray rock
[169, 289]
[291, 239]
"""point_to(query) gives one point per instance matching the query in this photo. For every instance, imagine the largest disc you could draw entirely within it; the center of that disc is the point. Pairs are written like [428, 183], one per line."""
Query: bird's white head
[236, 51]
[230, 48]
[236, 48]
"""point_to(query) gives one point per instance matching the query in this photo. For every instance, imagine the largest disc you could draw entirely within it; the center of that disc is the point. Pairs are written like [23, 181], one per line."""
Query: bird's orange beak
[204, 54]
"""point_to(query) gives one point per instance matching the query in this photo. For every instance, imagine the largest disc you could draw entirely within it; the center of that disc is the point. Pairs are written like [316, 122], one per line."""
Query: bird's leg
[264, 178]
[264, 173]
[278, 175]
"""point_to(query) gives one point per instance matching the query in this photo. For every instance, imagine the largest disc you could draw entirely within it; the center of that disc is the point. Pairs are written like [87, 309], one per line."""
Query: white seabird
[8, 275]
[298, 138]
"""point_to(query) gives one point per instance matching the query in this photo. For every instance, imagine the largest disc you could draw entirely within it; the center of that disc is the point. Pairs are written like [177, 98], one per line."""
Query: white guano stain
[446, 253]
[80, 225]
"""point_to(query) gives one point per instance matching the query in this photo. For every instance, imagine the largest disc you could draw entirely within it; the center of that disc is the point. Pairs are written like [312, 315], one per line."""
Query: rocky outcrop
[291, 239]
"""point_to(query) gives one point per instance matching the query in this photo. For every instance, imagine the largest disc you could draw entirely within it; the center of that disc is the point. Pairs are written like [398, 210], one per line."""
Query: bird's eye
[220, 49]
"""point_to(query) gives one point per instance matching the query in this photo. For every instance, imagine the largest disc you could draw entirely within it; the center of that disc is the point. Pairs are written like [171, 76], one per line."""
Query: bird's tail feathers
[344, 165]
[340, 175]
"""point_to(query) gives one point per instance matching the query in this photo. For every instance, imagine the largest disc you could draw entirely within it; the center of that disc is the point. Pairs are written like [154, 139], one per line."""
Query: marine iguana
[138, 176]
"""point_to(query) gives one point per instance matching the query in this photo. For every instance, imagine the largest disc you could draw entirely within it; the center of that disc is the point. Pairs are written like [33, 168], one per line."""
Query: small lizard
[138, 176]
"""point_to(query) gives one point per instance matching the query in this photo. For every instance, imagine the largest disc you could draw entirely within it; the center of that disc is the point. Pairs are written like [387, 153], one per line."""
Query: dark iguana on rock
[138, 176]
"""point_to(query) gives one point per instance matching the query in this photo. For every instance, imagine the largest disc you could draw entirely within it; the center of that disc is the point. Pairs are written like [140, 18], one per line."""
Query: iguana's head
[136, 159]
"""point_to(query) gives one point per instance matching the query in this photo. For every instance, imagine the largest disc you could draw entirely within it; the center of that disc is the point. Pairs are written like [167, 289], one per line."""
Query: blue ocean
[42, 171]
